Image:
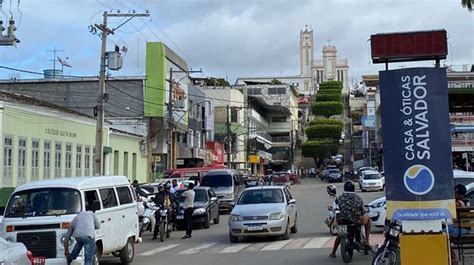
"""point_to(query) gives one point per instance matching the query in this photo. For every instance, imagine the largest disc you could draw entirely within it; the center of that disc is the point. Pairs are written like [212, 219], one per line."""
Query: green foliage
[329, 91]
[324, 131]
[327, 109]
[467, 4]
[319, 148]
[331, 85]
[216, 82]
[356, 117]
[325, 121]
[328, 97]
[276, 82]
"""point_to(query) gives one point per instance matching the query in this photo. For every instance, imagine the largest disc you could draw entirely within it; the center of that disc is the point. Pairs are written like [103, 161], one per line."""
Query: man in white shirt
[188, 209]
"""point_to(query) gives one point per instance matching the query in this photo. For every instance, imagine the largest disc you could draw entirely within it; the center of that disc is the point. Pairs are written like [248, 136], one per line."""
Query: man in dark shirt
[351, 208]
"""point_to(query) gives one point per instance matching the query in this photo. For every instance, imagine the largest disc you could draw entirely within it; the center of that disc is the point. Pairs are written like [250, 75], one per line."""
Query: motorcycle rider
[351, 208]
[164, 199]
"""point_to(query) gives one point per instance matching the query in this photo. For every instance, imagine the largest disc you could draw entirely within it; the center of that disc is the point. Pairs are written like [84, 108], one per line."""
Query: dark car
[206, 207]
[334, 175]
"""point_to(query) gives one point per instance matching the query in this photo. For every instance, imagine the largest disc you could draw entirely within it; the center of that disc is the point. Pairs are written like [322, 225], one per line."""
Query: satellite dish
[63, 62]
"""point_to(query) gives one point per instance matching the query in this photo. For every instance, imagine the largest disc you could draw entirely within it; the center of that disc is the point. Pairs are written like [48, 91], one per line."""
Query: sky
[226, 38]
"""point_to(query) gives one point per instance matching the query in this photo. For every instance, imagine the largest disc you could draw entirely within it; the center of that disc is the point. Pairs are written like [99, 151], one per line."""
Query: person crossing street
[188, 209]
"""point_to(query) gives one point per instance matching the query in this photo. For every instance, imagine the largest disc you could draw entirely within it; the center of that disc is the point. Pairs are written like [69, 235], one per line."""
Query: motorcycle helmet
[349, 186]
[160, 187]
[167, 186]
[331, 190]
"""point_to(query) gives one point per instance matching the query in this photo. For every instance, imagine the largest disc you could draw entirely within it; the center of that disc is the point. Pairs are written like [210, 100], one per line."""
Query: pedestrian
[136, 186]
[82, 229]
[188, 209]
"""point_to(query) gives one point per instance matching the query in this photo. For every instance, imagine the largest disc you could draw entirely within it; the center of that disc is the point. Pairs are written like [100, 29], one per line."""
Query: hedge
[328, 97]
[327, 109]
[329, 91]
[324, 131]
[325, 121]
[319, 148]
[331, 85]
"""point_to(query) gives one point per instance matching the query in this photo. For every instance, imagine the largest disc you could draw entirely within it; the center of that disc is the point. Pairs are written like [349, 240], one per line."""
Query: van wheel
[98, 253]
[127, 252]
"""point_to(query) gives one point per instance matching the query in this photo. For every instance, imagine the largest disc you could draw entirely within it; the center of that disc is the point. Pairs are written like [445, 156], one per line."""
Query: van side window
[176, 176]
[124, 195]
[236, 180]
[91, 196]
[108, 198]
[134, 193]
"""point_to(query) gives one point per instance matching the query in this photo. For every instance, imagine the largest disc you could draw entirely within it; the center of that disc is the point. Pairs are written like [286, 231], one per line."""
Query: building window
[7, 161]
[93, 160]
[340, 75]
[35, 159]
[47, 160]
[279, 119]
[254, 91]
[276, 90]
[234, 117]
[319, 76]
[371, 97]
[57, 160]
[21, 161]
[198, 139]
[190, 138]
[78, 160]
[125, 164]
[87, 161]
[68, 159]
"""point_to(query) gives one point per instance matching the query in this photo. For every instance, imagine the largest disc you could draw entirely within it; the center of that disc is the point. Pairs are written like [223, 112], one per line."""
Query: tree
[325, 121]
[319, 148]
[324, 131]
[328, 97]
[327, 109]
[331, 85]
[276, 82]
[467, 4]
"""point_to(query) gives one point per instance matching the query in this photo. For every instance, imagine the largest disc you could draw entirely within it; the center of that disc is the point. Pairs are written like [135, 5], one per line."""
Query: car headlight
[229, 196]
[235, 218]
[199, 211]
[378, 205]
[394, 232]
[276, 216]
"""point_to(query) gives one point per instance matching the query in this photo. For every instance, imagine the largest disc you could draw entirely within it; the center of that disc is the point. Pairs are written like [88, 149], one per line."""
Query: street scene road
[311, 245]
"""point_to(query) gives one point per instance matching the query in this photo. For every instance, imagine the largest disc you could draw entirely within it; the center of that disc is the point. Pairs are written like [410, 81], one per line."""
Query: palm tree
[467, 4]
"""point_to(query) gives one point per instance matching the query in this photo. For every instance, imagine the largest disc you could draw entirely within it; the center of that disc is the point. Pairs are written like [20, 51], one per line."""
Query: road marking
[158, 250]
[197, 249]
[255, 247]
[234, 248]
[297, 243]
[317, 242]
[276, 245]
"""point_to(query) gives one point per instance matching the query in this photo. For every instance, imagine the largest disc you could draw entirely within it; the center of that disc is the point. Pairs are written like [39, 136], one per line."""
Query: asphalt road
[311, 245]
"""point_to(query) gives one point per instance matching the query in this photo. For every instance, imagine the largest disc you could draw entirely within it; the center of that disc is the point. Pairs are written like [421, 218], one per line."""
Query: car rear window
[217, 181]
[372, 176]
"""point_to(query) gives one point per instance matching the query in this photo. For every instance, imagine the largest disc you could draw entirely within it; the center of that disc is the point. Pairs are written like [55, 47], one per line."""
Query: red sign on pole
[409, 46]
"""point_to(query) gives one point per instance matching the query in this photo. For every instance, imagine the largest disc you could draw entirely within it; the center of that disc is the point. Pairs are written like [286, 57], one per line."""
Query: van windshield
[217, 181]
[44, 202]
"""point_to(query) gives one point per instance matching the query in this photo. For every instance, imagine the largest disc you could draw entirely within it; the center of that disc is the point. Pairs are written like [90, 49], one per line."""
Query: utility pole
[169, 109]
[105, 31]
[229, 138]
[9, 39]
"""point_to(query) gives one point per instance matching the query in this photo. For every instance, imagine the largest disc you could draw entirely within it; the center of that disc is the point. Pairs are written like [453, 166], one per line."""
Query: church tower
[306, 51]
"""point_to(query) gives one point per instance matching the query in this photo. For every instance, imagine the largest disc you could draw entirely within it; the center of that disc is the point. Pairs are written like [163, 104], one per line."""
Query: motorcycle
[352, 238]
[389, 252]
[331, 220]
[165, 226]
[148, 220]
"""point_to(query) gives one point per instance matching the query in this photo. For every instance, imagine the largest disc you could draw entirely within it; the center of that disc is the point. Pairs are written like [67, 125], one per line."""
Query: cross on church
[329, 42]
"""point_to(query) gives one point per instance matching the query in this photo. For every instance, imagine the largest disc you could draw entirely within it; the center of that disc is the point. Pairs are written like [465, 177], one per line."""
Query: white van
[39, 213]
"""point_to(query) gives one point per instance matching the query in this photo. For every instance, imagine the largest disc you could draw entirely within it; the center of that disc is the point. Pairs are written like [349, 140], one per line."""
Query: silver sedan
[264, 211]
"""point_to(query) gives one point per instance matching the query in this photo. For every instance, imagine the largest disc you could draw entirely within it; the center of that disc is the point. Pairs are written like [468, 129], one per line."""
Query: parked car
[334, 175]
[14, 253]
[227, 184]
[371, 180]
[206, 207]
[281, 178]
[378, 211]
[39, 213]
[264, 211]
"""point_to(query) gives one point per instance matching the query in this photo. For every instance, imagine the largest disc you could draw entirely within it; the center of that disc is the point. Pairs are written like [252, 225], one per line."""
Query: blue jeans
[89, 249]
[455, 231]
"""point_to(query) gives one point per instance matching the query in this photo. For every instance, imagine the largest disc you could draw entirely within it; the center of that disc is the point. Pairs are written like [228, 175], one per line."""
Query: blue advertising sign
[417, 143]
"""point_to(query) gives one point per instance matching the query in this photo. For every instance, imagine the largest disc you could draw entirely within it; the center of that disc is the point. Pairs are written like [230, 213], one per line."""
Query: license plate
[180, 217]
[372, 184]
[255, 228]
[38, 260]
[342, 229]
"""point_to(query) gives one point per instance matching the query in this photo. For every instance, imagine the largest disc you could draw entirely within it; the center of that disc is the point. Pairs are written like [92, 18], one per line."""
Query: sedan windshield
[372, 176]
[217, 181]
[44, 202]
[261, 196]
[200, 195]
